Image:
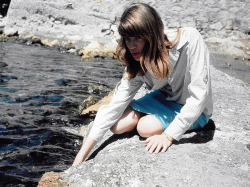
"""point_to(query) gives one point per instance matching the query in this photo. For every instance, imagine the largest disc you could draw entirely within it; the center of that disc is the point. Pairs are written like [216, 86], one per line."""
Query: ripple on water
[7, 77]
[40, 91]
[10, 90]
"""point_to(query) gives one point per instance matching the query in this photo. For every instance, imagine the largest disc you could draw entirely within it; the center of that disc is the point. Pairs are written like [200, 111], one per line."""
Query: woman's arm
[84, 151]
[198, 91]
[107, 115]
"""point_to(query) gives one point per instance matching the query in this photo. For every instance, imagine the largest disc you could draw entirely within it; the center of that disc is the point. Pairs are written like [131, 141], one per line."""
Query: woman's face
[135, 45]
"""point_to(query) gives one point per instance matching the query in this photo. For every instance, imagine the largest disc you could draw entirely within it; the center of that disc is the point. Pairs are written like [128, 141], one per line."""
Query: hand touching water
[158, 143]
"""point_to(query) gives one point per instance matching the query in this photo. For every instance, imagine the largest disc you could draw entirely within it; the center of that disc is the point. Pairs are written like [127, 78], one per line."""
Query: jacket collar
[171, 34]
[175, 52]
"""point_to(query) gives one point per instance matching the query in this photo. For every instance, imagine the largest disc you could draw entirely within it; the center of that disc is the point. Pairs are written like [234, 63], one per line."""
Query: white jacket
[189, 84]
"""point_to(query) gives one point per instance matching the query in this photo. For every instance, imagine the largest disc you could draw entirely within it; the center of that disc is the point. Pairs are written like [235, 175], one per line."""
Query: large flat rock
[215, 156]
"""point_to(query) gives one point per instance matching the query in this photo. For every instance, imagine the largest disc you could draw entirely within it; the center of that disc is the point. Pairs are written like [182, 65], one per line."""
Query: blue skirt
[155, 103]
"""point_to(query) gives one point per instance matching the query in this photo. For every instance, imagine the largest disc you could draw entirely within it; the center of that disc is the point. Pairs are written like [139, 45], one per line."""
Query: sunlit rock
[36, 40]
[93, 49]
[93, 108]
[86, 103]
[46, 42]
[51, 179]
[55, 43]
[10, 32]
[69, 45]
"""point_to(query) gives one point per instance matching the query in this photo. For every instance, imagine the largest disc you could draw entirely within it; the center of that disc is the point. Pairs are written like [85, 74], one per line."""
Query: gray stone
[234, 9]
[216, 26]
[215, 156]
[92, 17]
[229, 24]
[10, 32]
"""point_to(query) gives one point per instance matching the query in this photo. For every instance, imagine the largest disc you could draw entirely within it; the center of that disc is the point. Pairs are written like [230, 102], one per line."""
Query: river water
[40, 91]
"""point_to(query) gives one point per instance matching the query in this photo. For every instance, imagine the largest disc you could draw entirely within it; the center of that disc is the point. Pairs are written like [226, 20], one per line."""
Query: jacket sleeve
[198, 88]
[107, 115]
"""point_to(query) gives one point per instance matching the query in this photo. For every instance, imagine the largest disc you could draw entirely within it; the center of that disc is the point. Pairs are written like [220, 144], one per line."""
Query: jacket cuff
[176, 129]
[95, 135]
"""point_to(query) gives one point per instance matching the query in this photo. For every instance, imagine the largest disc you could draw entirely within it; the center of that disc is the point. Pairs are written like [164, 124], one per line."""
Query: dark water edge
[40, 91]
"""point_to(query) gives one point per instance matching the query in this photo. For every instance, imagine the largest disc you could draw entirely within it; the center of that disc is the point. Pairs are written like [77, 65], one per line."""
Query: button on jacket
[188, 84]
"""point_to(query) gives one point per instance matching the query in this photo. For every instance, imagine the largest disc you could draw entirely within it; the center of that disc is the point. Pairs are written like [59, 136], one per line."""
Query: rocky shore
[89, 27]
[218, 155]
[215, 156]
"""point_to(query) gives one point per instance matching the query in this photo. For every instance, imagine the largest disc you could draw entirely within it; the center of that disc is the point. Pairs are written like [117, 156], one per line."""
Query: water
[40, 91]
[237, 68]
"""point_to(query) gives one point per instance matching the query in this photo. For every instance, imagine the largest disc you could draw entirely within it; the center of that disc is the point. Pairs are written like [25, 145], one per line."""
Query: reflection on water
[40, 90]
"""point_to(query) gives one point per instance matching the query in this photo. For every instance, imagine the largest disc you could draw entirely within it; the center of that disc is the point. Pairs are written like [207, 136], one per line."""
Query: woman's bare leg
[127, 122]
[149, 125]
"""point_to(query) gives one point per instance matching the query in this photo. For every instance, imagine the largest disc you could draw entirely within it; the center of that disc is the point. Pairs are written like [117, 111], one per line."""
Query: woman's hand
[84, 151]
[158, 143]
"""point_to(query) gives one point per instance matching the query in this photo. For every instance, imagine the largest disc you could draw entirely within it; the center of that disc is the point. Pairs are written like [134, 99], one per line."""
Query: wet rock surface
[217, 155]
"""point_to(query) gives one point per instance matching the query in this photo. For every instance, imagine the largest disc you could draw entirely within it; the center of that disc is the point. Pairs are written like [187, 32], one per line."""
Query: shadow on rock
[203, 135]
[112, 139]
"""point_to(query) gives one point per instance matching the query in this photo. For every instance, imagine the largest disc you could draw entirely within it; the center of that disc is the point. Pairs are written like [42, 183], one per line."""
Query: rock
[225, 64]
[110, 52]
[90, 107]
[92, 88]
[3, 38]
[69, 6]
[55, 43]
[27, 36]
[216, 26]
[2, 23]
[229, 31]
[235, 45]
[93, 108]
[213, 156]
[69, 45]
[94, 49]
[3, 64]
[36, 40]
[51, 179]
[46, 42]
[86, 103]
[10, 32]
[212, 18]
[72, 51]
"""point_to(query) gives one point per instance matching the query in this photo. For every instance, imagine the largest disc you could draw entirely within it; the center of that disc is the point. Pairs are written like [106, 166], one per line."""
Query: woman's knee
[148, 126]
[127, 122]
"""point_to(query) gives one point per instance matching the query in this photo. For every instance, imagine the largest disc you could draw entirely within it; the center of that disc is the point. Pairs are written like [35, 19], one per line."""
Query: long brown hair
[142, 20]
